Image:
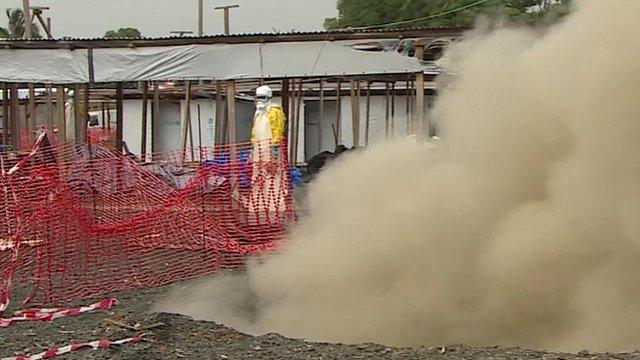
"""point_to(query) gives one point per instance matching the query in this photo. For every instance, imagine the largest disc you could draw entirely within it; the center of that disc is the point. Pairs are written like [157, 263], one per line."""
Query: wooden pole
[186, 121]
[15, 118]
[420, 118]
[145, 104]
[321, 118]
[31, 123]
[199, 133]
[297, 124]
[119, 117]
[5, 114]
[387, 110]
[409, 124]
[200, 22]
[104, 115]
[231, 119]
[355, 114]
[85, 112]
[61, 111]
[226, 9]
[155, 115]
[50, 108]
[26, 13]
[220, 121]
[338, 132]
[285, 98]
[368, 119]
[393, 109]
[292, 137]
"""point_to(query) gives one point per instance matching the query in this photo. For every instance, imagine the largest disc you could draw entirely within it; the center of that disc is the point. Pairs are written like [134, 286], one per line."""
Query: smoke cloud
[522, 228]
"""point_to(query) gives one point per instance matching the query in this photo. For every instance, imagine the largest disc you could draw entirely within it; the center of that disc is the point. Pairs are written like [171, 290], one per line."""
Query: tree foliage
[15, 25]
[123, 33]
[356, 13]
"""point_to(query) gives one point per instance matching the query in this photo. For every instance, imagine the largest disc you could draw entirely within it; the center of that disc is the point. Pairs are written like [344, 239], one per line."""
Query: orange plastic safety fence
[80, 219]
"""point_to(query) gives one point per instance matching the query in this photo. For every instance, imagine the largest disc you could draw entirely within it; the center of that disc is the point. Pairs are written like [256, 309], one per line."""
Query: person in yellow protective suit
[269, 123]
[268, 181]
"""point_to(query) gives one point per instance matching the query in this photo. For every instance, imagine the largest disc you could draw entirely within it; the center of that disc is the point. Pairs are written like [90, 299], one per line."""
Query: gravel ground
[179, 337]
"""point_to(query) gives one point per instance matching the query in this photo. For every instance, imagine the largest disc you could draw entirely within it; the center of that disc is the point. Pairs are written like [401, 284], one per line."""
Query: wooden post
[387, 110]
[155, 115]
[104, 115]
[220, 121]
[296, 135]
[368, 120]
[355, 115]
[26, 13]
[145, 104]
[200, 150]
[420, 118]
[31, 122]
[231, 118]
[15, 118]
[5, 114]
[321, 118]
[338, 132]
[119, 116]
[292, 121]
[408, 109]
[186, 121]
[50, 108]
[62, 111]
[393, 109]
[285, 95]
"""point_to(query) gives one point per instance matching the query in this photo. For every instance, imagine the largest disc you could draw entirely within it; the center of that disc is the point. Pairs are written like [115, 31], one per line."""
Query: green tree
[357, 13]
[15, 26]
[123, 33]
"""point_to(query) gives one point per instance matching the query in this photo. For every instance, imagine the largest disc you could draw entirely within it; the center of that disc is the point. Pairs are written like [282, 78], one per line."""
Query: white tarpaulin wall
[40, 65]
[196, 62]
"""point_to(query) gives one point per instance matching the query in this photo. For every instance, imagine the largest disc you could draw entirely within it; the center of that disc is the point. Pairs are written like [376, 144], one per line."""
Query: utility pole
[226, 16]
[37, 13]
[26, 13]
[200, 24]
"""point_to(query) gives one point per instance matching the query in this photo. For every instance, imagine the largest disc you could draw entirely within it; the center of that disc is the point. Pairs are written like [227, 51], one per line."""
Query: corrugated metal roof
[344, 34]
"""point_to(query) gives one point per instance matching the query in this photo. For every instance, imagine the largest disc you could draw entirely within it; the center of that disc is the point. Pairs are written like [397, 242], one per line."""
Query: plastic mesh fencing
[80, 219]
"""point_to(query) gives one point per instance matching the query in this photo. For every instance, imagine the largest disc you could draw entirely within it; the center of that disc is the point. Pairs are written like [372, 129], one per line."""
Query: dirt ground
[179, 337]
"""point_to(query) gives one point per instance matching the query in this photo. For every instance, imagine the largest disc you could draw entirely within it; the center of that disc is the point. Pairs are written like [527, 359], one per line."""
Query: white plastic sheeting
[195, 62]
[41, 65]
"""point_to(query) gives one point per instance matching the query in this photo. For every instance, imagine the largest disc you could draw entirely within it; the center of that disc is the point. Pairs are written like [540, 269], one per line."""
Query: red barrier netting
[79, 220]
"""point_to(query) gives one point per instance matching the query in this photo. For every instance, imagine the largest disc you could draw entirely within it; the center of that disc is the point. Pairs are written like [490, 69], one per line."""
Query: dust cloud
[522, 228]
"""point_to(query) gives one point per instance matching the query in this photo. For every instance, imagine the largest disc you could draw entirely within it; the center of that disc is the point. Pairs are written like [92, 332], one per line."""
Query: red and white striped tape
[95, 345]
[55, 313]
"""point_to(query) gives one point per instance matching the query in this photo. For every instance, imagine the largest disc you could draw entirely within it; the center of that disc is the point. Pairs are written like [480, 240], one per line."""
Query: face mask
[261, 105]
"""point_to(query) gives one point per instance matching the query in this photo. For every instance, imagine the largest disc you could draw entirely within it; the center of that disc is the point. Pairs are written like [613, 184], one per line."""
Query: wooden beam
[155, 115]
[387, 110]
[15, 118]
[220, 134]
[368, 119]
[186, 121]
[143, 138]
[26, 13]
[231, 124]
[338, 131]
[393, 109]
[355, 114]
[49, 97]
[119, 117]
[5, 114]
[321, 118]
[296, 134]
[420, 118]
[31, 122]
[61, 113]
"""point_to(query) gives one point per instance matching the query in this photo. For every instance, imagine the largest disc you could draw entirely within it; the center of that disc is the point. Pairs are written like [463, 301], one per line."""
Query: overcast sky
[92, 18]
